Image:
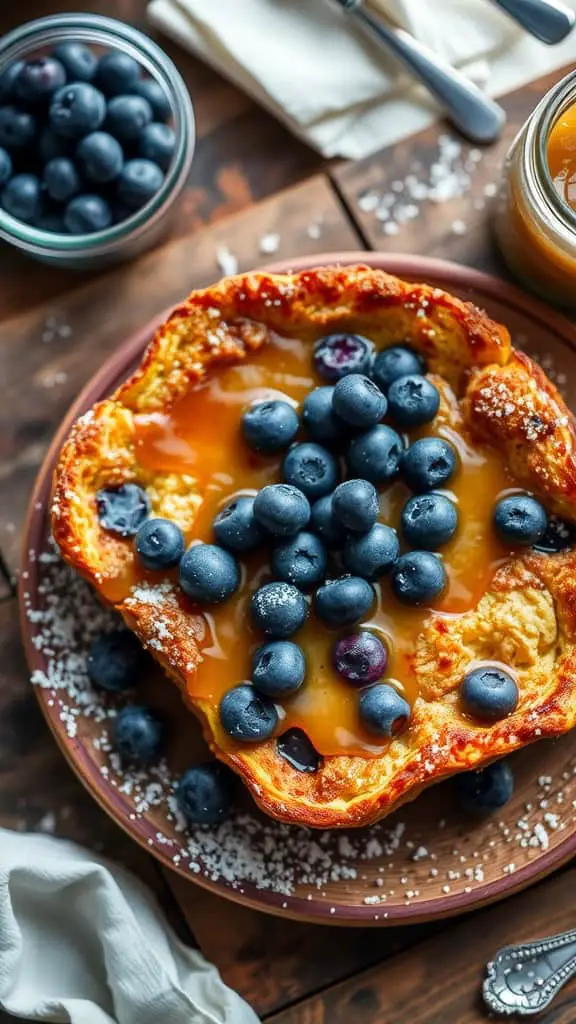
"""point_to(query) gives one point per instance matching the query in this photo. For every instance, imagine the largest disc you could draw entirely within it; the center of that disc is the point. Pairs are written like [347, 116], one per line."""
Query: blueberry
[281, 509]
[269, 427]
[429, 521]
[355, 505]
[100, 157]
[360, 658]
[204, 793]
[489, 693]
[117, 73]
[61, 179]
[17, 128]
[278, 668]
[51, 220]
[344, 601]
[5, 166]
[295, 747]
[376, 455]
[392, 363]
[559, 536]
[152, 91]
[372, 554]
[138, 735]
[236, 527]
[138, 182]
[418, 578]
[311, 468]
[318, 416]
[323, 523]
[38, 79]
[127, 116]
[487, 790]
[51, 145]
[8, 79]
[300, 560]
[116, 661]
[78, 60]
[383, 711]
[209, 574]
[246, 716]
[429, 463]
[358, 401]
[87, 213]
[520, 519]
[122, 509]
[336, 355]
[413, 401]
[22, 197]
[77, 109]
[157, 142]
[159, 544]
[278, 609]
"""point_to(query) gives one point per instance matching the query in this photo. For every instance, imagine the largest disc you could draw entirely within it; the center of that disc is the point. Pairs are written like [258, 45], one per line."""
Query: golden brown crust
[526, 619]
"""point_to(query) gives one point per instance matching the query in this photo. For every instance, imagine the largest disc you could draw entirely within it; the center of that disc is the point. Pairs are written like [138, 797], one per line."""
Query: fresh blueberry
[38, 79]
[22, 197]
[487, 790]
[138, 735]
[376, 455]
[116, 661]
[278, 668]
[78, 60]
[318, 416]
[117, 73]
[429, 463]
[371, 554]
[51, 220]
[295, 747]
[489, 693]
[209, 574]
[87, 213]
[418, 578]
[392, 363]
[278, 609]
[559, 536]
[159, 544]
[413, 401]
[336, 355]
[8, 80]
[281, 509]
[383, 711]
[122, 509]
[269, 427]
[52, 145]
[127, 116]
[157, 142]
[358, 401]
[300, 560]
[246, 716]
[236, 527]
[100, 157]
[77, 109]
[360, 658]
[344, 601]
[157, 98]
[61, 179]
[355, 505]
[520, 519]
[139, 181]
[323, 523]
[204, 793]
[17, 128]
[311, 468]
[429, 521]
[5, 166]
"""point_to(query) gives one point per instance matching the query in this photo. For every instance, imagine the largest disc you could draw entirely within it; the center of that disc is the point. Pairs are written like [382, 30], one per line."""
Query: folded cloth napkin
[83, 942]
[310, 64]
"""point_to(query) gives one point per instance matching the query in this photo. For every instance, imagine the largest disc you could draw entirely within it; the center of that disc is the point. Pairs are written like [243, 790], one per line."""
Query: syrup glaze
[561, 155]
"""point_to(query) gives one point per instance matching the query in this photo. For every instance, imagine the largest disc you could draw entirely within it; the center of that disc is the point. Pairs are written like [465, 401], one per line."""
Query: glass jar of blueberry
[96, 140]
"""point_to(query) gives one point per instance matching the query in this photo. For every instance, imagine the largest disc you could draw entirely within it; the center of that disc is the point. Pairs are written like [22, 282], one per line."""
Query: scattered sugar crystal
[226, 260]
[269, 244]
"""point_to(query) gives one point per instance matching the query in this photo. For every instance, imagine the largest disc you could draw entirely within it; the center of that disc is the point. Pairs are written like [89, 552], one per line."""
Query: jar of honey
[535, 210]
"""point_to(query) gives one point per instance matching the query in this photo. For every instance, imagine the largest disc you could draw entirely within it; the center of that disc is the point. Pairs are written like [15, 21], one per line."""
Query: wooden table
[249, 179]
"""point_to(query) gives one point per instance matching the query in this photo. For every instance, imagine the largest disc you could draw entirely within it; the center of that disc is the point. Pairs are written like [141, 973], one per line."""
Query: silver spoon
[525, 978]
[468, 108]
[549, 20]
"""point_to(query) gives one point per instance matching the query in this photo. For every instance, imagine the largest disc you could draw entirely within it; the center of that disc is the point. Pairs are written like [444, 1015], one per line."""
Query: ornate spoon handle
[525, 978]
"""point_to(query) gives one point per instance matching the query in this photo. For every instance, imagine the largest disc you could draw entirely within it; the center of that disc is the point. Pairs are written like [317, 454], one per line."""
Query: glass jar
[147, 225]
[535, 228]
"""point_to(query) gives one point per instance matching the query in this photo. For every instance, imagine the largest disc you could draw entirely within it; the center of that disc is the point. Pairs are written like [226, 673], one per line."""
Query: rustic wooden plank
[439, 980]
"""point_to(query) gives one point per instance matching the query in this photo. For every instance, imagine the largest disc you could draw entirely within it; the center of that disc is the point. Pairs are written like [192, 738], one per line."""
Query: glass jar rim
[545, 116]
[102, 30]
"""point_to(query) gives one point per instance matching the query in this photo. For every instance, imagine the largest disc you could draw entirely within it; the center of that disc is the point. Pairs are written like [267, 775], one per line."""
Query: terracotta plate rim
[452, 275]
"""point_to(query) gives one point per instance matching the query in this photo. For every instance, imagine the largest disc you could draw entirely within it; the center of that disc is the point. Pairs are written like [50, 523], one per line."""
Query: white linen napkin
[83, 942]
[311, 65]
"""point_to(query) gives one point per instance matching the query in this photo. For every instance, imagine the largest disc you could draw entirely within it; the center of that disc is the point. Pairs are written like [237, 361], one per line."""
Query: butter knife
[524, 979]
[549, 20]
